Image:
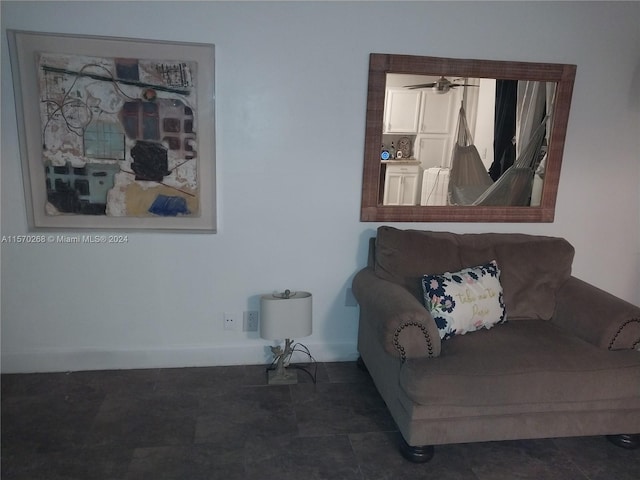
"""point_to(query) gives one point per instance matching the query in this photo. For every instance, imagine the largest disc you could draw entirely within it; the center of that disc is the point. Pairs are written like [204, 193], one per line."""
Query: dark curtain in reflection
[504, 149]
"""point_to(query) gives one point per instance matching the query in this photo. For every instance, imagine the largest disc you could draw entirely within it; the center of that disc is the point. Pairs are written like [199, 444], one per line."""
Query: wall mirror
[455, 140]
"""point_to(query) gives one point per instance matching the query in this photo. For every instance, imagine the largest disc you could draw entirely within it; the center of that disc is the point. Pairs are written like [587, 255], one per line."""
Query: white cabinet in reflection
[402, 111]
[438, 112]
[402, 183]
[433, 150]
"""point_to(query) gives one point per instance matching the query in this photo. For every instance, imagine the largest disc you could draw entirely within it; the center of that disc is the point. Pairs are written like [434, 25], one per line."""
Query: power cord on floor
[299, 347]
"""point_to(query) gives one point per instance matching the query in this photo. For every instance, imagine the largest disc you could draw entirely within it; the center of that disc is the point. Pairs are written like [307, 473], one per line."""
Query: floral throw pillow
[465, 301]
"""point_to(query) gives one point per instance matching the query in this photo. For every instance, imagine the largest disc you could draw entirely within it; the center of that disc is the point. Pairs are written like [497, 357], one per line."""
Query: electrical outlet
[231, 321]
[250, 321]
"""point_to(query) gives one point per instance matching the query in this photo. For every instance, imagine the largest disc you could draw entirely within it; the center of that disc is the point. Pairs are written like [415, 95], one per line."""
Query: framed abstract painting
[115, 133]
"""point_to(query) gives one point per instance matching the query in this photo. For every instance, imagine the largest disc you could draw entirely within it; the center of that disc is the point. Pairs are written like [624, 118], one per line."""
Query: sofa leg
[416, 454]
[628, 441]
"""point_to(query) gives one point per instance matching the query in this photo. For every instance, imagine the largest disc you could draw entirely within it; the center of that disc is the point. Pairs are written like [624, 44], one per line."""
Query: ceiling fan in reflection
[441, 86]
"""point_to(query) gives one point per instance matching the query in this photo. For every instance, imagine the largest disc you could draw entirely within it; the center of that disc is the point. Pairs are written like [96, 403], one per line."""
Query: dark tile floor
[225, 423]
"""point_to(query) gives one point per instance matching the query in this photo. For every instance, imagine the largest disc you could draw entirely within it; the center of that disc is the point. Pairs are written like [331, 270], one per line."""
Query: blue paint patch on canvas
[166, 206]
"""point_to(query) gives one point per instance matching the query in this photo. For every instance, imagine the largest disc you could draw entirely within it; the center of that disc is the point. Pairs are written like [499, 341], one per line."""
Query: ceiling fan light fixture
[441, 86]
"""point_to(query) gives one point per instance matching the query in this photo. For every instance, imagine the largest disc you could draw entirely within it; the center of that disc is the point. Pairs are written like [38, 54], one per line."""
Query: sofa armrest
[597, 316]
[401, 323]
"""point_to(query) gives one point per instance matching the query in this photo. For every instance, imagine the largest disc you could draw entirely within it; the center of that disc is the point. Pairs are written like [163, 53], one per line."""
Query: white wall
[291, 85]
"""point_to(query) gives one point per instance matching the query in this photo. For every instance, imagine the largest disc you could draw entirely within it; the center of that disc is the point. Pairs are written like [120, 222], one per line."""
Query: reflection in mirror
[444, 127]
[463, 140]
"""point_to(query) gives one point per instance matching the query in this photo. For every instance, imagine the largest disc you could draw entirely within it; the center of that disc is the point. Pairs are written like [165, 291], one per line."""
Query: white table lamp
[284, 316]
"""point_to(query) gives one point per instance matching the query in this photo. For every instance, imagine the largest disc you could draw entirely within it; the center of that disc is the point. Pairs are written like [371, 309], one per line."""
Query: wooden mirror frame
[372, 209]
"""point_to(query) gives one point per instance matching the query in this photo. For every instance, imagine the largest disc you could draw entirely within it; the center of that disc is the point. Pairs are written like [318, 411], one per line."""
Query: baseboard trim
[64, 360]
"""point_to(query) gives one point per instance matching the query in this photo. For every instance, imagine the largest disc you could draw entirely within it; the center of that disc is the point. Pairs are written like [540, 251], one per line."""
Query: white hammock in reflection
[469, 182]
[515, 185]
[468, 178]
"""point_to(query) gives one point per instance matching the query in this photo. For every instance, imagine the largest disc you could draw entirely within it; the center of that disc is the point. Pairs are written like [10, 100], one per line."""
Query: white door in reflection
[437, 128]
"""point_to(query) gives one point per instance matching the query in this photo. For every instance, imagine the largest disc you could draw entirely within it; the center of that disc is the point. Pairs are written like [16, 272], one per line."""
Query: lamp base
[284, 377]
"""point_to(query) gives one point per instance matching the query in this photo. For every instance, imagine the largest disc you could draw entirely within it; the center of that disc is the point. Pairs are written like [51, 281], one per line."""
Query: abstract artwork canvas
[115, 133]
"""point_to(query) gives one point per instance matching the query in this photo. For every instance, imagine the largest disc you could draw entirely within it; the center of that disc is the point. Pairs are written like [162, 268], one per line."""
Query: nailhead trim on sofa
[613, 340]
[400, 348]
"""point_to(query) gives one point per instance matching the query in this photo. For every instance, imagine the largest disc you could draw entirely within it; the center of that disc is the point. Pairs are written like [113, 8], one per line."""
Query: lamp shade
[285, 316]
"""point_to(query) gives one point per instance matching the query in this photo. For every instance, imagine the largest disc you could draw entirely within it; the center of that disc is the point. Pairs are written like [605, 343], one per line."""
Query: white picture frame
[123, 121]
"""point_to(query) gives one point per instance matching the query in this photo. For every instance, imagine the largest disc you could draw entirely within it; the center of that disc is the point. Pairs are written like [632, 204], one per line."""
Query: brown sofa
[565, 362]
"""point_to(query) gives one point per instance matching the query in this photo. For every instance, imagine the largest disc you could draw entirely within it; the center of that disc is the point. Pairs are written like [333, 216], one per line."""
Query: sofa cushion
[525, 362]
[404, 256]
[534, 271]
[466, 300]
[532, 267]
